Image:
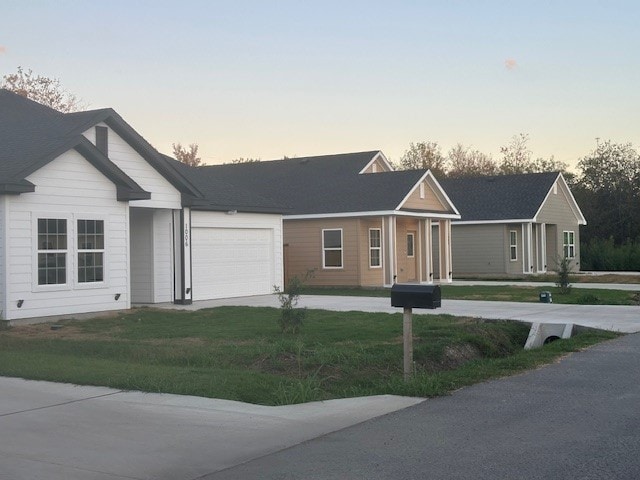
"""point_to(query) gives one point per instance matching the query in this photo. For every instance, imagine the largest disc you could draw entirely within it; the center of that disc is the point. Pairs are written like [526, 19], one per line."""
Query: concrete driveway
[607, 317]
[54, 431]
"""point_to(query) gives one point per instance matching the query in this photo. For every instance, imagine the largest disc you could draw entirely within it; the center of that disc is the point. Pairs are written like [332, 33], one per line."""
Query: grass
[239, 353]
[503, 293]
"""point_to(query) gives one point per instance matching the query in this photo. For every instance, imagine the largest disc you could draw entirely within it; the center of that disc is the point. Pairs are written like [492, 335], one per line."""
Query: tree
[44, 90]
[608, 191]
[464, 162]
[423, 155]
[189, 157]
[245, 160]
[516, 156]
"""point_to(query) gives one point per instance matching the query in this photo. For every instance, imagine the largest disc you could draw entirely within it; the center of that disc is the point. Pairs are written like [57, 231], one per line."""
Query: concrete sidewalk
[58, 431]
[607, 317]
[631, 287]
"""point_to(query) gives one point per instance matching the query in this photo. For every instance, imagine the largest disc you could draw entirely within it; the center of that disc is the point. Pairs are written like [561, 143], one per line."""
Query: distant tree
[189, 157]
[424, 155]
[608, 191]
[44, 90]
[516, 156]
[245, 160]
[464, 162]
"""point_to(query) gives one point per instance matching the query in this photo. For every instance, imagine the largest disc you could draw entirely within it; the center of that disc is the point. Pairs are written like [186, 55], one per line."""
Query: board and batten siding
[67, 187]
[248, 221]
[304, 240]
[478, 249]
[163, 194]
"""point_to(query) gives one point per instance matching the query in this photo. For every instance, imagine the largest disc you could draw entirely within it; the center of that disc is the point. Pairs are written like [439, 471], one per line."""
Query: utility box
[545, 297]
[415, 296]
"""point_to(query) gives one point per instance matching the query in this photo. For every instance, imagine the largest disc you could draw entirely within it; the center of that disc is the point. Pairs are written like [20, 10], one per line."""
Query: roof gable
[32, 135]
[500, 197]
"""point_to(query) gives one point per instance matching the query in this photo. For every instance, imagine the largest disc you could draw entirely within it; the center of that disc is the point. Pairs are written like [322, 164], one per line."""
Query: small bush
[291, 317]
[563, 281]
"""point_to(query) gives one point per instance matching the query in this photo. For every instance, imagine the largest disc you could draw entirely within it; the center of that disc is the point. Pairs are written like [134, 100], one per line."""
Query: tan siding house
[353, 220]
[514, 224]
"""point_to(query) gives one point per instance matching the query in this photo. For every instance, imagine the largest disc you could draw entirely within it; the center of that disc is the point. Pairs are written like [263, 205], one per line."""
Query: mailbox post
[410, 296]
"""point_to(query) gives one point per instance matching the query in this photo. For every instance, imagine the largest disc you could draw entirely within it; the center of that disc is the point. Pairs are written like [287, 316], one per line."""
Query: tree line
[607, 186]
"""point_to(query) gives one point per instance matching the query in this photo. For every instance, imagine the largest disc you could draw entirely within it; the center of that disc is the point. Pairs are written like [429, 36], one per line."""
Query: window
[513, 245]
[90, 251]
[332, 248]
[375, 247]
[410, 239]
[52, 251]
[569, 244]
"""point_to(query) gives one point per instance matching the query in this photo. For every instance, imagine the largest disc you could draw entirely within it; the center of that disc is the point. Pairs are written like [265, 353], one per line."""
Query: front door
[411, 257]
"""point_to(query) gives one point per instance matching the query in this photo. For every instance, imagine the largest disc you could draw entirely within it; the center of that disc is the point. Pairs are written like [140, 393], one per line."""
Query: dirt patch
[610, 278]
[44, 330]
[454, 356]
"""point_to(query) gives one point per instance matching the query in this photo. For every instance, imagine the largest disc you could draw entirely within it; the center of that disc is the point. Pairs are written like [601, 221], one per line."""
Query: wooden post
[407, 335]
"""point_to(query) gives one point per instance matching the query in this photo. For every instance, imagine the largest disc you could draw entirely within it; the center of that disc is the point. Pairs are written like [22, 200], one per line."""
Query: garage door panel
[230, 262]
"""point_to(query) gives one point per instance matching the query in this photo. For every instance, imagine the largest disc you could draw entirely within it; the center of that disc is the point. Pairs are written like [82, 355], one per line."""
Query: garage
[232, 262]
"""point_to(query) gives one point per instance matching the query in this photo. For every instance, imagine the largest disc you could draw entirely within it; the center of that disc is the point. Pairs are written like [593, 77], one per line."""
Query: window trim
[36, 286]
[413, 245]
[513, 245]
[77, 251]
[569, 247]
[325, 249]
[378, 248]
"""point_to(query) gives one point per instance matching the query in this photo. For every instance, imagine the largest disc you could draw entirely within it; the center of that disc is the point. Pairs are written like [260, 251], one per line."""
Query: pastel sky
[265, 79]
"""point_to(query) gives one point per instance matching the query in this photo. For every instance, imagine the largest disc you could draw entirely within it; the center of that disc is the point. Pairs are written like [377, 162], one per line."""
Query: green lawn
[239, 353]
[505, 293]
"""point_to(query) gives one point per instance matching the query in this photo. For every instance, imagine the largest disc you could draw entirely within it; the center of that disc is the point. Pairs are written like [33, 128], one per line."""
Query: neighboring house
[514, 224]
[353, 220]
[93, 218]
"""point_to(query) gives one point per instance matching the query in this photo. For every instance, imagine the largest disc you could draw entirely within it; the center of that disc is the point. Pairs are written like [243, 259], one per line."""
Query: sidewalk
[616, 318]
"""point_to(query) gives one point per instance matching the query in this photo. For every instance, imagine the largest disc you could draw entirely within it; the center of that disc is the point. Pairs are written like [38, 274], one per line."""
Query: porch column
[389, 248]
[428, 248]
[527, 253]
[543, 247]
[445, 252]
[183, 293]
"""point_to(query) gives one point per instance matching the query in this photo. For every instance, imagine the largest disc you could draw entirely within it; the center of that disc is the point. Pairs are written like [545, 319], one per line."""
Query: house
[514, 224]
[93, 218]
[352, 220]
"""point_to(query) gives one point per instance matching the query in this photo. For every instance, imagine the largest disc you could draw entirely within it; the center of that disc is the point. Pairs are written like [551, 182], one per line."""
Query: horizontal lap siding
[163, 194]
[370, 277]
[304, 240]
[68, 187]
[3, 304]
[479, 249]
[429, 202]
[557, 211]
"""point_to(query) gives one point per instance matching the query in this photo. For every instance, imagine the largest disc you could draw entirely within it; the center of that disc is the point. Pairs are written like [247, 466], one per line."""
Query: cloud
[3, 49]
[510, 64]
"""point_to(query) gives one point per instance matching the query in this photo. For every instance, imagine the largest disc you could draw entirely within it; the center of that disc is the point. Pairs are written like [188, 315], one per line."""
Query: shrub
[291, 317]
[604, 255]
[563, 281]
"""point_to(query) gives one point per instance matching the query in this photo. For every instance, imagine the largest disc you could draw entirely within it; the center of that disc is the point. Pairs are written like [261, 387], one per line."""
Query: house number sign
[186, 234]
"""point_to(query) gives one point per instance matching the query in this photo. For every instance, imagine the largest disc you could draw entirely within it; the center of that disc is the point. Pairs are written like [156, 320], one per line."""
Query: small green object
[545, 297]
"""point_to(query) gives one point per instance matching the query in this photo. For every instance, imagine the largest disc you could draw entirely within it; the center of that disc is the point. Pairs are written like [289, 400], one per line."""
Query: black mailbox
[415, 296]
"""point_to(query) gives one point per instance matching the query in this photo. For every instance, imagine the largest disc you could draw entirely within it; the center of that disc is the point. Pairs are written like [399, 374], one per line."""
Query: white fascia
[399, 213]
[377, 156]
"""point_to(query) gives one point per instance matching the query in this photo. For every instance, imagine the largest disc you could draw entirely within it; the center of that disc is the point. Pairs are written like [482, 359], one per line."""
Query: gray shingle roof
[320, 185]
[501, 197]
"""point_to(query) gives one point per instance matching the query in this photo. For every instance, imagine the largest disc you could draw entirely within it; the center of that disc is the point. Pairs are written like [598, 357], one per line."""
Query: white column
[543, 247]
[445, 251]
[428, 241]
[529, 248]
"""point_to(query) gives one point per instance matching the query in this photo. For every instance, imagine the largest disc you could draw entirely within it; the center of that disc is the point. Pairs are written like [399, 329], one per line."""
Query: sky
[265, 79]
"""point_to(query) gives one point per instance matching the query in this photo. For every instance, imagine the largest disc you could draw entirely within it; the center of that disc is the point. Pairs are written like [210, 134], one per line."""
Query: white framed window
[332, 248]
[52, 251]
[513, 245]
[375, 248]
[569, 243]
[410, 245]
[90, 250]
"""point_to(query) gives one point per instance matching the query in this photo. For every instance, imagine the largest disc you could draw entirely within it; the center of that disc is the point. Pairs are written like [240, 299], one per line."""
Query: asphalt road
[576, 419]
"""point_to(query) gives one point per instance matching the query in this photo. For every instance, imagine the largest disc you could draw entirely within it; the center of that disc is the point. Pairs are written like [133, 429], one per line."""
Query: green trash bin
[545, 297]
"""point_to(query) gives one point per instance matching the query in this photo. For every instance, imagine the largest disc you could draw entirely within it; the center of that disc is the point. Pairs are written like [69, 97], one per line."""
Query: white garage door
[231, 262]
